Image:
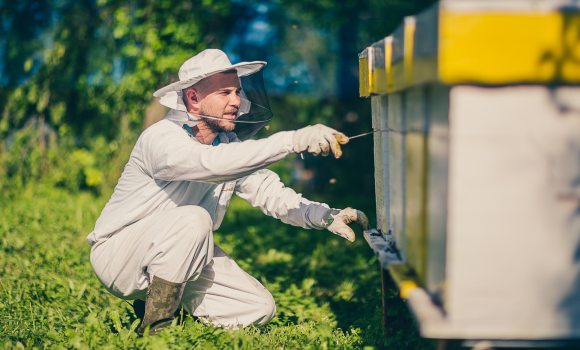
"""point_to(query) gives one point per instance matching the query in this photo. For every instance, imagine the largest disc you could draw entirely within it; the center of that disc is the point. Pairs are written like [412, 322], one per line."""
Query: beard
[221, 125]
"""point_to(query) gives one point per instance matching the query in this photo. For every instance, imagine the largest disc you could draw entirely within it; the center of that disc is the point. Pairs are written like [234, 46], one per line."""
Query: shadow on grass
[315, 276]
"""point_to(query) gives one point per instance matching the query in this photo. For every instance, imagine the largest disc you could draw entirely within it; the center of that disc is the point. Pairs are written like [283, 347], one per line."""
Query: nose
[235, 100]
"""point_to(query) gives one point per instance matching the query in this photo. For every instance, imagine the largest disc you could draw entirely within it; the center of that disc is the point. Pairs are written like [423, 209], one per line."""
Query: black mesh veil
[254, 110]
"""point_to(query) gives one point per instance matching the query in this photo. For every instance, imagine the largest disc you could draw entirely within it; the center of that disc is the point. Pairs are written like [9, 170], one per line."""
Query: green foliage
[70, 115]
[37, 154]
[105, 60]
[326, 289]
[375, 19]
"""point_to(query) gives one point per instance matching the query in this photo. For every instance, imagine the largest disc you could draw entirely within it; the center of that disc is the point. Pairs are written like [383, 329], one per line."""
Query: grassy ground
[327, 290]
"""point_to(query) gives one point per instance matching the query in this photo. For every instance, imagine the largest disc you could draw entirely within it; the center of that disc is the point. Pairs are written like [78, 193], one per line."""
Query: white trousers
[177, 246]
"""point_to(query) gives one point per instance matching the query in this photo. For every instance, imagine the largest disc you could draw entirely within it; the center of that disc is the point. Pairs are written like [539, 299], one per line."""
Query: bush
[31, 155]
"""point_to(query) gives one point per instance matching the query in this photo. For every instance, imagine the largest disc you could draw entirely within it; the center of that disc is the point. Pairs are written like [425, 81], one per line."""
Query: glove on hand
[319, 138]
[337, 221]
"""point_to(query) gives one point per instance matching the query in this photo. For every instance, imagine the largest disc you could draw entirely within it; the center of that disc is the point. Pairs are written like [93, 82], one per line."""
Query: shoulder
[162, 126]
[162, 130]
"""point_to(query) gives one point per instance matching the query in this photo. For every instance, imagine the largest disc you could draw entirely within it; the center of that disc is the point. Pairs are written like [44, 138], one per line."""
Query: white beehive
[477, 166]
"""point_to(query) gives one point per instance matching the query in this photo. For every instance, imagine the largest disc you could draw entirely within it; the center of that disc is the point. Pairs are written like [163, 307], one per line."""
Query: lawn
[327, 290]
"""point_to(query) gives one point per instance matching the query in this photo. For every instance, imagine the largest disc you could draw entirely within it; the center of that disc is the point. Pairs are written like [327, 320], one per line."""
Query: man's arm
[263, 189]
[169, 154]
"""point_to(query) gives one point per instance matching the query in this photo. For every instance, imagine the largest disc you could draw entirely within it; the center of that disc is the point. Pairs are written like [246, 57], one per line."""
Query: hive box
[477, 166]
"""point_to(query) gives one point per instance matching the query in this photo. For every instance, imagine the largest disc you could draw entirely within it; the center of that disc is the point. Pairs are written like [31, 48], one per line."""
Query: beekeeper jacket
[169, 168]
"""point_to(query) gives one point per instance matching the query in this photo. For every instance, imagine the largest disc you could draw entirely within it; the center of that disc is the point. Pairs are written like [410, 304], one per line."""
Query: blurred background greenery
[80, 75]
[76, 84]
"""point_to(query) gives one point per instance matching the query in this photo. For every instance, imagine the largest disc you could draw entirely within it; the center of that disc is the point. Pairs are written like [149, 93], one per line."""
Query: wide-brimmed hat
[204, 64]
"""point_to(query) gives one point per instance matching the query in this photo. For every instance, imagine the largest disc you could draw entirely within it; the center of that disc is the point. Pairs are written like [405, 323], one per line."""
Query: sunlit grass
[327, 290]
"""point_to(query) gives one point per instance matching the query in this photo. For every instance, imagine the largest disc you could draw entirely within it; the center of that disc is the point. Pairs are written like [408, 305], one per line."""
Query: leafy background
[76, 84]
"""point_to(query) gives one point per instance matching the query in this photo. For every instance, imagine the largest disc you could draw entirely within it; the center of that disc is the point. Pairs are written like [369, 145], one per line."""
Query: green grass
[327, 290]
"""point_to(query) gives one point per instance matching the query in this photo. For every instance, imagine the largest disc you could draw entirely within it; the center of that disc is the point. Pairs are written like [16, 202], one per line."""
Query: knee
[267, 310]
[194, 218]
[194, 213]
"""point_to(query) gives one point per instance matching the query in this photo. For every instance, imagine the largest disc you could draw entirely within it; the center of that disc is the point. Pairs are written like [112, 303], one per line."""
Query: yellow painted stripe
[388, 62]
[363, 69]
[409, 36]
[372, 87]
[502, 48]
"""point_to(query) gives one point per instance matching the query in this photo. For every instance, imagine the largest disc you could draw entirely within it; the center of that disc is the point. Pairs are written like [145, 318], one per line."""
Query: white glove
[319, 138]
[337, 221]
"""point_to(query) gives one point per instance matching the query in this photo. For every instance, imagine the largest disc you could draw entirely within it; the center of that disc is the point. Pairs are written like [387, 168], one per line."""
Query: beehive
[477, 166]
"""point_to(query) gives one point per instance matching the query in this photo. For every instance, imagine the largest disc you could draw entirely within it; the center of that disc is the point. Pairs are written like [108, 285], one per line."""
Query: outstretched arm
[165, 152]
[263, 189]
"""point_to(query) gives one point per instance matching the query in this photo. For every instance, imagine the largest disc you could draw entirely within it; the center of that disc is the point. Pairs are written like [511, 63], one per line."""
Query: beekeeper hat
[206, 63]
[254, 111]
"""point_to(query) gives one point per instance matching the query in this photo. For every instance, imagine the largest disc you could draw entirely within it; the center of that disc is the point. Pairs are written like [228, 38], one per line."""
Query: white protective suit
[157, 221]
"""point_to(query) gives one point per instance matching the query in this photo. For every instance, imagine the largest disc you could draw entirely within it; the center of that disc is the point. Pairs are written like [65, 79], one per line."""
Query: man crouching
[153, 242]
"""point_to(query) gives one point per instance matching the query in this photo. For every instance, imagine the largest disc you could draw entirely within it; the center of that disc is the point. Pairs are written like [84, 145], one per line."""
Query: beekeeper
[153, 242]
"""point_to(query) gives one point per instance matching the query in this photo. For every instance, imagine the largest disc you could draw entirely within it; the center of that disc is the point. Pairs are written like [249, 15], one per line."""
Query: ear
[193, 96]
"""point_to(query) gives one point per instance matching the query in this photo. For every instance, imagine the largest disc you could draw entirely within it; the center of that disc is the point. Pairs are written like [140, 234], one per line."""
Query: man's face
[221, 99]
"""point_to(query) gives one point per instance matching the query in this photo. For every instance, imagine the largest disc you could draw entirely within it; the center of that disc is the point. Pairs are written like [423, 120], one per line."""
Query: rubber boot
[162, 301]
[180, 313]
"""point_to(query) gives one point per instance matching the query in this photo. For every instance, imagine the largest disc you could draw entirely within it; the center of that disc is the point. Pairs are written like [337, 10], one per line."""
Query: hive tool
[354, 137]
[366, 133]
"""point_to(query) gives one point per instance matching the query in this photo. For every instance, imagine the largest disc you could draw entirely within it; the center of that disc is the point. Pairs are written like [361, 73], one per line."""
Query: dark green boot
[162, 301]
[180, 313]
